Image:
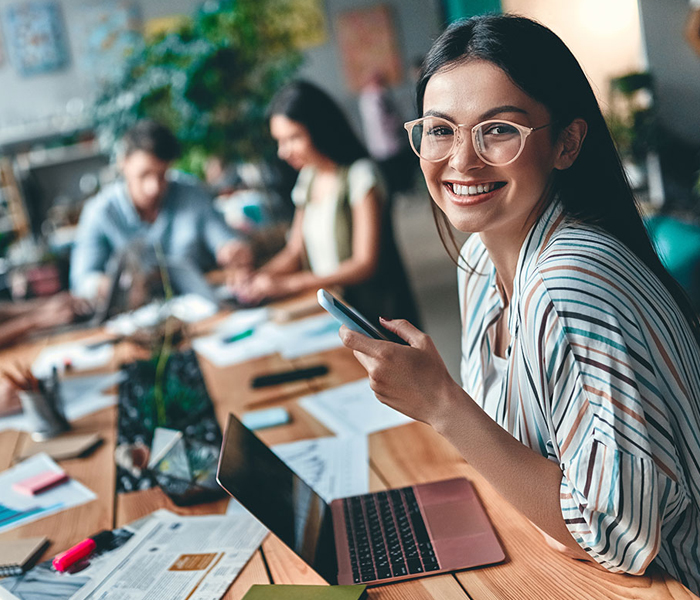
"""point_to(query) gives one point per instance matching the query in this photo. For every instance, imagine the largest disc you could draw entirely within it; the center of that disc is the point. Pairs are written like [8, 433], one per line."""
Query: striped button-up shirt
[603, 377]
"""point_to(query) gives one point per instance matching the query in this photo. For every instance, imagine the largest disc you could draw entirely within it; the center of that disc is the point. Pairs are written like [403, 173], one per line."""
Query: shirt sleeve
[363, 176]
[300, 192]
[91, 251]
[613, 495]
[214, 230]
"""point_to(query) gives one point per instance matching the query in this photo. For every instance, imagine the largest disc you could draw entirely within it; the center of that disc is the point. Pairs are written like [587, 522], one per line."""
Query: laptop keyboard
[387, 536]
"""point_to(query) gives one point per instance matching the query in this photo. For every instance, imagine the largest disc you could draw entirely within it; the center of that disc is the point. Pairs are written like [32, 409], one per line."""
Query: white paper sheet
[79, 354]
[222, 354]
[81, 396]
[17, 509]
[334, 467]
[189, 308]
[174, 557]
[352, 409]
[307, 336]
[291, 340]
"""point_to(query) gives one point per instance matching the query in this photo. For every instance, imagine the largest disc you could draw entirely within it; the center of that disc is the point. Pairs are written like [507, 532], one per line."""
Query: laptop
[371, 539]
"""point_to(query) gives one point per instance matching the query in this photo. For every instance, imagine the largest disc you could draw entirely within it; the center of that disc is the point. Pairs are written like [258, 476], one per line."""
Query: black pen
[287, 376]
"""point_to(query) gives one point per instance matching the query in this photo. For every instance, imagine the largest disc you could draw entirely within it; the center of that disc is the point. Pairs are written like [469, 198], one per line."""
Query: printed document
[335, 467]
[179, 558]
[352, 409]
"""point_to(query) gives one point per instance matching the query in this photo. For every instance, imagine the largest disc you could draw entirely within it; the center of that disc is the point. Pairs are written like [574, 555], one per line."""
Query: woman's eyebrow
[506, 108]
[492, 112]
[437, 113]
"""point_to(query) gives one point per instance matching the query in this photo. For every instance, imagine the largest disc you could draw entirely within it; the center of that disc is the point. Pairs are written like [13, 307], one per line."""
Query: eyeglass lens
[495, 142]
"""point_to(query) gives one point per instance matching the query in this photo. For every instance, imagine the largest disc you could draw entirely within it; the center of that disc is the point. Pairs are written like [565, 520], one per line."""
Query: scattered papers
[307, 336]
[81, 396]
[261, 338]
[221, 353]
[17, 509]
[193, 558]
[334, 467]
[189, 308]
[79, 355]
[44, 582]
[352, 409]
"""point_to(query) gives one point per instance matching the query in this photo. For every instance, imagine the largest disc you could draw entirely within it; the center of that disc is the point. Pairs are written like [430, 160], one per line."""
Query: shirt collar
[128, 208]
[536, 239]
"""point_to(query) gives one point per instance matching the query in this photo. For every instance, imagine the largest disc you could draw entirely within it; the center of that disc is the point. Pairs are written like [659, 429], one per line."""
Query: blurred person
[692, 27]
[18, 319]
[341, 227]
[154, 206]
[382, 125]
[9, 399]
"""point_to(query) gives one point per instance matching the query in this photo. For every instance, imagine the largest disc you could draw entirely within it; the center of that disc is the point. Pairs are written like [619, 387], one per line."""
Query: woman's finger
[362, 343]
[405, 330]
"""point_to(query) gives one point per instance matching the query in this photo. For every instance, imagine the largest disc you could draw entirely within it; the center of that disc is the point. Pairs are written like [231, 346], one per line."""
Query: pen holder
[43, 409]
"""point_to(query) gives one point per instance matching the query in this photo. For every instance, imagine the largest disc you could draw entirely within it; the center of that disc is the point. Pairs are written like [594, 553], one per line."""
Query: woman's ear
[570, 143]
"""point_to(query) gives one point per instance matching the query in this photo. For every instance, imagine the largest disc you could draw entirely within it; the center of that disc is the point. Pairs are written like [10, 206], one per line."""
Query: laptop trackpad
[454, 520]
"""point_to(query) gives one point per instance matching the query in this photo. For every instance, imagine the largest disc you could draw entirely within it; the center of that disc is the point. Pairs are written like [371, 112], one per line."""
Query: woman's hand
[9, 399]
[266, 286]
[411, 379]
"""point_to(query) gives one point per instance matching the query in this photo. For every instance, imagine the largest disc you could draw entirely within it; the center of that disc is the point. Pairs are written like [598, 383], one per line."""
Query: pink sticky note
[39, 483]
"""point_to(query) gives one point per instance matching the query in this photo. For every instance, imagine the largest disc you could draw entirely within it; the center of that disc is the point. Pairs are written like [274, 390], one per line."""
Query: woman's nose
[464, 156]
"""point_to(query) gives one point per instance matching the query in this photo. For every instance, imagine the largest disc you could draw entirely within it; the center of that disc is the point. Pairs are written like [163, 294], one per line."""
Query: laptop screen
[278, 498]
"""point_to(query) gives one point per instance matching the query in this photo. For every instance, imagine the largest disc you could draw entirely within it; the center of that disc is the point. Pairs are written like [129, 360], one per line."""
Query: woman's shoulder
[300, 192]
[583, 265]
[363, 176]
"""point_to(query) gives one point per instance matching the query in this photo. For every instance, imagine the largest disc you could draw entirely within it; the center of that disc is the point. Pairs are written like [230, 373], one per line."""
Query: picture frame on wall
[368, 46]
[36, 37]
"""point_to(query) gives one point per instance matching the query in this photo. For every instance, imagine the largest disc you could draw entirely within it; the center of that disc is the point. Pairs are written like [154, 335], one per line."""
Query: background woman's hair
[594, 189]
[330, 131]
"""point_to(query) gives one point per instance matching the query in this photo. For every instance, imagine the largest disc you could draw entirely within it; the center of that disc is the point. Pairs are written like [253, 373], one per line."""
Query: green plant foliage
[632, 118]
[210, 81]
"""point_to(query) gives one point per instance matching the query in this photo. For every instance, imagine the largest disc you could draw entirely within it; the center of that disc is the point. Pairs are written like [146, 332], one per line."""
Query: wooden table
[402, 456]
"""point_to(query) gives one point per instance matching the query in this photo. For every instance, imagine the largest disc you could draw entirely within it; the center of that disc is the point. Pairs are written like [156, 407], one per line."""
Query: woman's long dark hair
[330, 131]
[594, 189]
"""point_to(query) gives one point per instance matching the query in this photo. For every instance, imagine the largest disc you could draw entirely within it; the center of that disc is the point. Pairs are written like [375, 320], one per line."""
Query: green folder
[306, 592]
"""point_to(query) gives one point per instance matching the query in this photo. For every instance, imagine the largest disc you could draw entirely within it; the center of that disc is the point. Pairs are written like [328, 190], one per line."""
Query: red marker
[85, 548]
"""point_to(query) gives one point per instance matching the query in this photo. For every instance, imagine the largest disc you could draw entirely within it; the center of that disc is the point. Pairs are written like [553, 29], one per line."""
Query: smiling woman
[581, 366]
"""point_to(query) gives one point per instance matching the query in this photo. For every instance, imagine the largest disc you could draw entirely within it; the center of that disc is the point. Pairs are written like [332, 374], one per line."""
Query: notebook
[306, 592]
[18, 556]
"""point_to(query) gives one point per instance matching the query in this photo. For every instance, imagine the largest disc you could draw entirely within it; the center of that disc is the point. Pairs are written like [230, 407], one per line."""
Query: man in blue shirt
[151, 206]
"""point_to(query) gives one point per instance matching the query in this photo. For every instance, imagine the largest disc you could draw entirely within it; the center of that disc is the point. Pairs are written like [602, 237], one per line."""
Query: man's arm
[228, 247]
[90, 252]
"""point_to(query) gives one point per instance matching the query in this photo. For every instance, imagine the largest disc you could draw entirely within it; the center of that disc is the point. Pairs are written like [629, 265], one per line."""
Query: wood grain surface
[405, 455]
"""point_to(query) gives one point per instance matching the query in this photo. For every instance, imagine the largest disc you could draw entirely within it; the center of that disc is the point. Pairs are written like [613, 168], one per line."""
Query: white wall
[604, 35]
[39, 96]
[676, 69]
[25, 99]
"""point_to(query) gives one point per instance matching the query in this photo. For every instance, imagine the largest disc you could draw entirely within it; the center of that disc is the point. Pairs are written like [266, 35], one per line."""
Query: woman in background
[580, 396]
[341, 234]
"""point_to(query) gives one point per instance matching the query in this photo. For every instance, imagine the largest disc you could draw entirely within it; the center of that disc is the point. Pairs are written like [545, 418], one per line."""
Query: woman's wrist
[447, 403]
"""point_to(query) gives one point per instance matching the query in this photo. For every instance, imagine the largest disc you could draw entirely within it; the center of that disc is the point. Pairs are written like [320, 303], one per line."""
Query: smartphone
[352, 319]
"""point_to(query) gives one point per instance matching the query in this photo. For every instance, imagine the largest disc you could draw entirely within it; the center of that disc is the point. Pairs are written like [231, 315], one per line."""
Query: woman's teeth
[472, 190]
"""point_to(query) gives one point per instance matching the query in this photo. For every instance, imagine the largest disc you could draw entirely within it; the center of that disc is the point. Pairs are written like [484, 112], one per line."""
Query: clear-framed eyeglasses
[496, 142]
